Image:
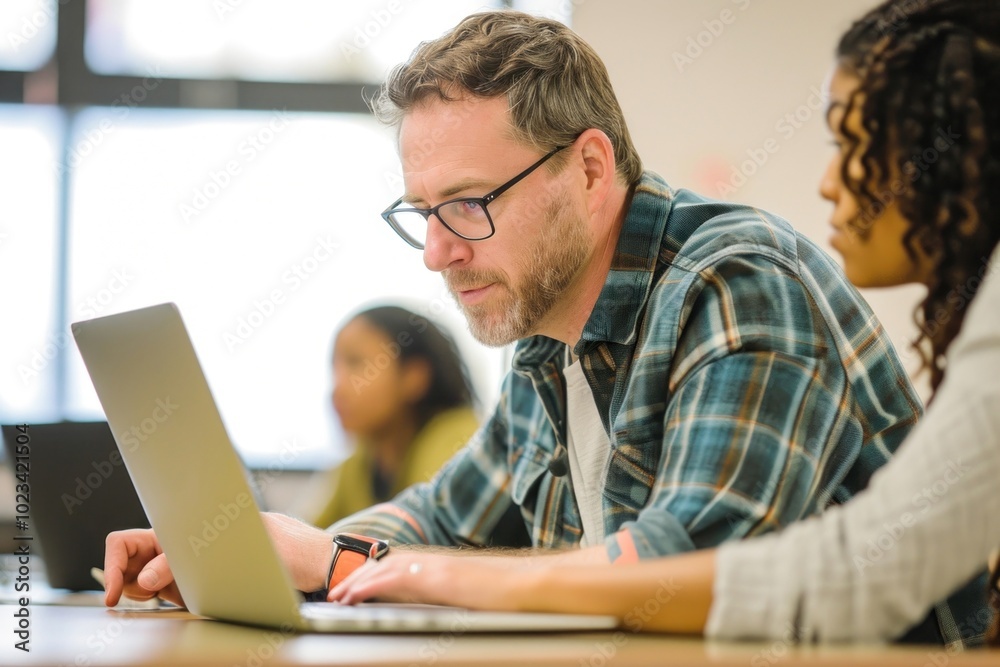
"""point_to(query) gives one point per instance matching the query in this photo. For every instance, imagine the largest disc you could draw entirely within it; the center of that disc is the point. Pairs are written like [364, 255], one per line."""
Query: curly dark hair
[929, 100]
[993, 634]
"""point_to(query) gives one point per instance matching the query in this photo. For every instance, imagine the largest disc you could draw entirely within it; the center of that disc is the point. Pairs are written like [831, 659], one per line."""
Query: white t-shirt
[588, 450]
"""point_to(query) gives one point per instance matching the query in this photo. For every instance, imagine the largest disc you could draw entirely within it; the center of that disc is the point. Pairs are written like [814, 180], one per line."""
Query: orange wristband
[351, 551]
[344, 562]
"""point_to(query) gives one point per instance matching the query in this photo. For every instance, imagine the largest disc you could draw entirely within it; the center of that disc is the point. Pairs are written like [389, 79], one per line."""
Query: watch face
[369, 546]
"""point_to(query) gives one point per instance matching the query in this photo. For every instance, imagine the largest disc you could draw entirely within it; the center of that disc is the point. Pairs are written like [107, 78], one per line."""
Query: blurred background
[220, 155]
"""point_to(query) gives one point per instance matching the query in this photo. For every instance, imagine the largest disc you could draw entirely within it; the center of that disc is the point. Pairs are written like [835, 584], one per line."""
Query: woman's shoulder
[460, 422]
[980, 335]
[445, 434]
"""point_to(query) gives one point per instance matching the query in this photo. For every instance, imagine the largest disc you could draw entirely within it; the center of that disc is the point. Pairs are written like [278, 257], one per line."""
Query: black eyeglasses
[466, 217]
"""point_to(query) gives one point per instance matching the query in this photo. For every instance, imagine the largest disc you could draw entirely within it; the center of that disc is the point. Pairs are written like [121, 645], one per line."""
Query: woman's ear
[415, 379]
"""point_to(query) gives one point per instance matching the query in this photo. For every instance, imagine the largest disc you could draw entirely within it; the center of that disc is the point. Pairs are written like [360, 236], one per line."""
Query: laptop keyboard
[373, 610]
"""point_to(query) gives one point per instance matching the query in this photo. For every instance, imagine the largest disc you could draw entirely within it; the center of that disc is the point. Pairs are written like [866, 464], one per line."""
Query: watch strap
[345, 561]
[351, 551]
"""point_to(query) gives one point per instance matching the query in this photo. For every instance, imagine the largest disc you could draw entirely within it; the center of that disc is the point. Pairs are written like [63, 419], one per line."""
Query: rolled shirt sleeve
[460, 506]
[761, 424]
[744, 452]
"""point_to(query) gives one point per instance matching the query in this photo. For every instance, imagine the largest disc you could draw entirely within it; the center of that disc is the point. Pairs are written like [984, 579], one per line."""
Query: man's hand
[135, 565]
[433, 579]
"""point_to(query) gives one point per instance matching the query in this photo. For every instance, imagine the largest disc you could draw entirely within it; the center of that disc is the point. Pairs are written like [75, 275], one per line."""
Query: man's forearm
[517, 557]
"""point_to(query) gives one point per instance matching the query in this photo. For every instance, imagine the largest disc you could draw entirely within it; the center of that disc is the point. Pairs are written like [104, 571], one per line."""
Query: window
[32, 348]
[29, 34]
[218, 155]
[260, 226]
[294, 40]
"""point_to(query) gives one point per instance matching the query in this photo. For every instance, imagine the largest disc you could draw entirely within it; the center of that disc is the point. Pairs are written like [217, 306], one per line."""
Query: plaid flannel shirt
[742, 381]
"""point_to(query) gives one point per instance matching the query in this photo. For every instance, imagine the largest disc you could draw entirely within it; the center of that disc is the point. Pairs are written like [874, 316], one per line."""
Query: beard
[546, 270]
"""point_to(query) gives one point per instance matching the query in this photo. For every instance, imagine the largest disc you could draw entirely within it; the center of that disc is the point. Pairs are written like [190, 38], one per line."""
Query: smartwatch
[351, 551]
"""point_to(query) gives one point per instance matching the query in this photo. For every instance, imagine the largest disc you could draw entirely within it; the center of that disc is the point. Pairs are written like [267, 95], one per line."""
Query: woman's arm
[667, 595]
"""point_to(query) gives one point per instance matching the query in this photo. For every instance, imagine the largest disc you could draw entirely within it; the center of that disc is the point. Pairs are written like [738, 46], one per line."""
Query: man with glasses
[687, 371]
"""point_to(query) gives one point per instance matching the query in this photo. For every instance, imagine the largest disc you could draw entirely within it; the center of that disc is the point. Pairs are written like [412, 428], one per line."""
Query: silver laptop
[193, 488]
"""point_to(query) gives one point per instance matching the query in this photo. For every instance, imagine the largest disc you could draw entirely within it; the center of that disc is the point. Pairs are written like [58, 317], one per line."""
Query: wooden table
[89, 635]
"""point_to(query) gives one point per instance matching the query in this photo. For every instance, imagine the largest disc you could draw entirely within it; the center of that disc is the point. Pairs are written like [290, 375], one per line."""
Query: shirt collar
[629, 280]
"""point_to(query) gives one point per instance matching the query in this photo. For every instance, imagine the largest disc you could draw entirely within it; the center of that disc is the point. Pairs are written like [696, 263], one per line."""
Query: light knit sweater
[870, 569]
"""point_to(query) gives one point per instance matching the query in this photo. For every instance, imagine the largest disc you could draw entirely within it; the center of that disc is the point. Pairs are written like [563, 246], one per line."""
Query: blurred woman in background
[403, 396]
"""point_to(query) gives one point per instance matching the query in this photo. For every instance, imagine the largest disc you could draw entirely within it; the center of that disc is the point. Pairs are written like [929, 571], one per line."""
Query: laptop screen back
[80, 492]
[188, 475]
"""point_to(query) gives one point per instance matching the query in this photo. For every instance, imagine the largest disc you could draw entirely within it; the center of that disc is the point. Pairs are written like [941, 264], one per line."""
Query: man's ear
[416, 379]
[598, 166]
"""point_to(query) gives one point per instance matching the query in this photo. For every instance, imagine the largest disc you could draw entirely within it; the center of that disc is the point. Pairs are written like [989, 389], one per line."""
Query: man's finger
[116, 557]
[156, 575]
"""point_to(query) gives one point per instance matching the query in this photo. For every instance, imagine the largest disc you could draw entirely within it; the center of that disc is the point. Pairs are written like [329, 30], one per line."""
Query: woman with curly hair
[915, 111]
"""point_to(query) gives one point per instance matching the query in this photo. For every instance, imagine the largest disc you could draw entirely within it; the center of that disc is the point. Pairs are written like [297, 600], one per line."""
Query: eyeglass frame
[484, 201]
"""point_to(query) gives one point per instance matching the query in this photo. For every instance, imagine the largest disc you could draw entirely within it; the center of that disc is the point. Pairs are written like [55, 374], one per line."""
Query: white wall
[694, 115]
